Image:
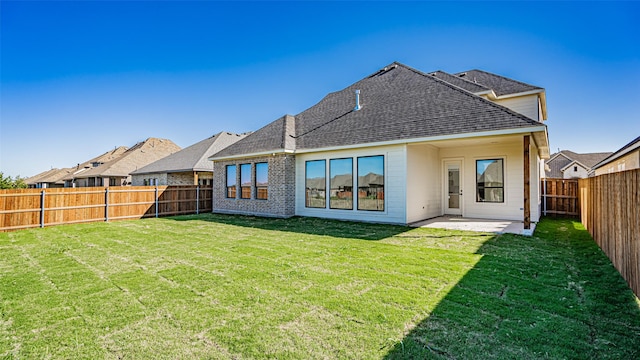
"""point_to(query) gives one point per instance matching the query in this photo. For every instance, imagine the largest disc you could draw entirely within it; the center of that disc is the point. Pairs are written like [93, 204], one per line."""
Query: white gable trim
[573, 163]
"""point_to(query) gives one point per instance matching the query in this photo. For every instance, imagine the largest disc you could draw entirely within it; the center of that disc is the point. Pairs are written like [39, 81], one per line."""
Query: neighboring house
[69, 180]
[116, 167]
[627, 158]
[59, 177]
[567, 164]
[188, 166]
[48, 179]
[398, 146]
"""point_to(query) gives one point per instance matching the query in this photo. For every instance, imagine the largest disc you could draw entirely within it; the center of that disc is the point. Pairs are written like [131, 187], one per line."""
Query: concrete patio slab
[483, 225]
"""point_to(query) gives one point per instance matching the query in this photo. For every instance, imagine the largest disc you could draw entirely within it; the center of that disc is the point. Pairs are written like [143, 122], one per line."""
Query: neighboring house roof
[561, 160]
[399, 103]
[57, 177]
[633, 145]
[35, 179]
[138, 156]
[192, 158]
[499, 84]
[106, 157]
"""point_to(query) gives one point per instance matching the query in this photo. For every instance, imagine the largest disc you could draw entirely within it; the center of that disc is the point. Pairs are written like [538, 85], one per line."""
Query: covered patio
[454, 222]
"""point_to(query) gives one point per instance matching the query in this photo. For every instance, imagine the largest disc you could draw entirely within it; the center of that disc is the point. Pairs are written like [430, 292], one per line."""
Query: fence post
[198, 199]
[156, 200]
[106, 204]
[544, 196]
[42, 209]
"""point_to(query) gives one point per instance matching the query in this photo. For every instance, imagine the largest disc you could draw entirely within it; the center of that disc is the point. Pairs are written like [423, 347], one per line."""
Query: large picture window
[341, 184]
[315, 184]
[245, 181]
[490, 180]
[371, 183]
[262, 181]
[231, 181]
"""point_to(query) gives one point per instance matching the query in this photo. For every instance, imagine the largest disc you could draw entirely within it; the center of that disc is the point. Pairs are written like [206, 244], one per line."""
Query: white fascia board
[244, 156]
[543, 149]
[543, 101]
[530, 92]
[431, 138]
[489, 93]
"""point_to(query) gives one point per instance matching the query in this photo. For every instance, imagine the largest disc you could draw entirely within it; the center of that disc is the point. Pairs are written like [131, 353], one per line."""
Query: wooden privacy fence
[560, 197]
[26, 208]
[610, 206]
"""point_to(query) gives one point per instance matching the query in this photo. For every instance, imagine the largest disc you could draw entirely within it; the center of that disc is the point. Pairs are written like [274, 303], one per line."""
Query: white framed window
[490, 180]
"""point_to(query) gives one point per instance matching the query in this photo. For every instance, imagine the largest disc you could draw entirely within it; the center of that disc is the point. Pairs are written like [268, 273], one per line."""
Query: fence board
[610, 210]
[23, 208]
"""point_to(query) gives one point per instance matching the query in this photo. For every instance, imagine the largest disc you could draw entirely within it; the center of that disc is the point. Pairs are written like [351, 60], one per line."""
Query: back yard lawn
[213, 286]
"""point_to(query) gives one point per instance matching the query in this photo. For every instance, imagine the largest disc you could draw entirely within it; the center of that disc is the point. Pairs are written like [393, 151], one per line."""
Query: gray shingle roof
[274, 136]
[563, 158]
[499, 84]
[194, 157]
[398, 102]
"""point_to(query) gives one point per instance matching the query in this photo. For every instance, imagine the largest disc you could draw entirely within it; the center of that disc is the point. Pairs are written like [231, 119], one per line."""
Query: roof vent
[358, 106]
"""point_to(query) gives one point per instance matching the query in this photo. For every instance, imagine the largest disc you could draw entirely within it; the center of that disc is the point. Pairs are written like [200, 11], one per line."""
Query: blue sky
[79, 78]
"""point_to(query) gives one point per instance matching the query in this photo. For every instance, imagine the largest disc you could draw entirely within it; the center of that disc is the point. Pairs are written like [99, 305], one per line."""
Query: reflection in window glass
[315, 184]
[231, 181]
[371, 183]
[262, 181]
[341, 185]
[490, 180]
[245, 181]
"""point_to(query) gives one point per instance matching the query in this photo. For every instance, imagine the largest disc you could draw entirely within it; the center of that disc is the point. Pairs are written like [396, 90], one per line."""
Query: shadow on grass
[305, 225]
[553, 295]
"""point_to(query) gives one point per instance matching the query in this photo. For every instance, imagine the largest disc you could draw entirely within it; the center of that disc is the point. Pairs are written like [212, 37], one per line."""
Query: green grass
[213, 286]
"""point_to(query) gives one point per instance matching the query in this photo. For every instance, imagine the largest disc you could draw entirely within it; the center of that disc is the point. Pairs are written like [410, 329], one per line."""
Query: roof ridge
[471, 82]
[461, 79]
[500, 76]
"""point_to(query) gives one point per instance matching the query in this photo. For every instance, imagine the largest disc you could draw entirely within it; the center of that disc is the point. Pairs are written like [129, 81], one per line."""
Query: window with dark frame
[341, 184]
[315, 184]
[245, 181]
[262, 181]
[490, 180]
[371, 183]
[231, 181]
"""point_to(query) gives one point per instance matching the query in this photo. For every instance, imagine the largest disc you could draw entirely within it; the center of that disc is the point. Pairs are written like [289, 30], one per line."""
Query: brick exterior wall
[183, 178]
[138, 180]
[281, 197]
